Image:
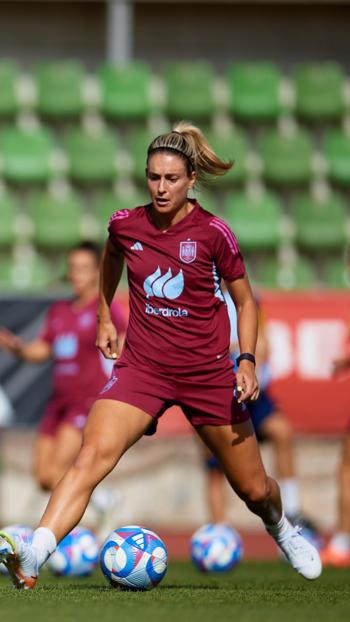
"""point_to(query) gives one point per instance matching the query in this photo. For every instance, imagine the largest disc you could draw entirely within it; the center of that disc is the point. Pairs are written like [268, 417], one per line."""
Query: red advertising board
[307, 331]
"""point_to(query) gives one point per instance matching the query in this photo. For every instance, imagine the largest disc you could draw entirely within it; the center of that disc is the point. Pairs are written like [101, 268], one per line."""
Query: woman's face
[168, 182]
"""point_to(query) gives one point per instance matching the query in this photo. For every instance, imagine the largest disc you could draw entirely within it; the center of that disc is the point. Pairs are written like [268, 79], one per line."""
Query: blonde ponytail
[188, 140]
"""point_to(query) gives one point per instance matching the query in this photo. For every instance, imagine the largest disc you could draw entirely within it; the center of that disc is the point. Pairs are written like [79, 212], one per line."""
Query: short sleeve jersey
[79, 370]
[178, 318]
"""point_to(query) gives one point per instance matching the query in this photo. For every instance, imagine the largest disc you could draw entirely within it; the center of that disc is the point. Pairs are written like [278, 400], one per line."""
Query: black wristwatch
[245, 356]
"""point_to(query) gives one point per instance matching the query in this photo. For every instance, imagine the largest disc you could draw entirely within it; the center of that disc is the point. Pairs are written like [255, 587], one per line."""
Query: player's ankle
[44, 543]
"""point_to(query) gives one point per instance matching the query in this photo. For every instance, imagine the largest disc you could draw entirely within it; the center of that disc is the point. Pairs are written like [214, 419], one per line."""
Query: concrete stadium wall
[286, 33]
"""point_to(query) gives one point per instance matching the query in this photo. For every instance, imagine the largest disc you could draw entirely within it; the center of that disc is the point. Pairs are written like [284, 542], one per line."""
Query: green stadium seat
[287, 158]
[9, 74]
[190, 90]
[56, 219]
[255, 219]
[320, 224]
[26, 156]
[297, 275]
[254, 90]
[335, 274]
[231, 145]
[337, 152]
[8, 211]
[209, 201]
[28, 274]
[91, 155]
[108, 202]
[125, 90]
[138, 142]
[59, 86]
[319, 91]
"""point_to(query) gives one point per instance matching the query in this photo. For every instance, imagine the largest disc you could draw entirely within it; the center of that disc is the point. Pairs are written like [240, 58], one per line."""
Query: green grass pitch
[254, 592]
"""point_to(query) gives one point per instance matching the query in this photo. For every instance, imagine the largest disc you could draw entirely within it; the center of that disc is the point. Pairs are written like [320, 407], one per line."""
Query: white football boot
[301, 554]
[20, 561]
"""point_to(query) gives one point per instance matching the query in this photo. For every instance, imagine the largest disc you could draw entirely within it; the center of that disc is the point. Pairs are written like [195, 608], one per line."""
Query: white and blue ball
[133, 558]
[76, 555]
[216, 548]
[22, 531]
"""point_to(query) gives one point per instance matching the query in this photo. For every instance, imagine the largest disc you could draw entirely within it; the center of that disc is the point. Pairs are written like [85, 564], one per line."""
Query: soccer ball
[216, 548]
[76, 555]
[24, 532]
[133, 558]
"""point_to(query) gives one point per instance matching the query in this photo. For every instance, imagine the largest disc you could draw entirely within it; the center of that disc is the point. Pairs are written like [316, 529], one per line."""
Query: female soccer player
[67, 338]
[176, 352]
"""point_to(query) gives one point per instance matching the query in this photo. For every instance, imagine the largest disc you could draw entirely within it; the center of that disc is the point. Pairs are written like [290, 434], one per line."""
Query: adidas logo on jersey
[137, 247]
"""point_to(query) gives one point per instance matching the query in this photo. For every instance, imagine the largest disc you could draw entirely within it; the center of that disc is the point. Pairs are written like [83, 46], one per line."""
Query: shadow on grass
[121, 590]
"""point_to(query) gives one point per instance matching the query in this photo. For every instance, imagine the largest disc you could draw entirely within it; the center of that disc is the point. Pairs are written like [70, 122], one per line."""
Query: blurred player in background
[79, 371]
[269, 424]
[176, 351]
[337, 551]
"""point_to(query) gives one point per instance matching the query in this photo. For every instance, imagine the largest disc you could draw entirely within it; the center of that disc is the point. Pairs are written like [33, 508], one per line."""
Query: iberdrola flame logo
[164, 286]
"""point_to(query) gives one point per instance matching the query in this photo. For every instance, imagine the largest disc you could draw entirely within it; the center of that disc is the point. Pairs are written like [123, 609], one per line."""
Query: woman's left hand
[247, 386]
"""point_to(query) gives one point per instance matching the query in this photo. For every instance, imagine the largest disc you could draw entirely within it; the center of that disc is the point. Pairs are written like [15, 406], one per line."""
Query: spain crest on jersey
[188, 251]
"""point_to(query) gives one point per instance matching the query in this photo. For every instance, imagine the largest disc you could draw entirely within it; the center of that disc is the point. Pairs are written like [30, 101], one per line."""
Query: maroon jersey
[178, 319]
[79, 370]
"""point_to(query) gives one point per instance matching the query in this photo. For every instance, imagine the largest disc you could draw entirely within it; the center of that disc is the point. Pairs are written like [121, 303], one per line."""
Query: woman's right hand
[10, 342]
[107, 339]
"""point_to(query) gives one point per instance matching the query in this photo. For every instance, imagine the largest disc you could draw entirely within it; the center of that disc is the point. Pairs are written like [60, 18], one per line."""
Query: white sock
[44, 543]
[341, 542]
[290, 496]
[281, 530]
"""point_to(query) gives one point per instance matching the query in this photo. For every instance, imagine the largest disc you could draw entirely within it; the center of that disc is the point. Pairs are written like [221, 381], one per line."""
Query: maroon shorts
[205, 398]
[59, 412]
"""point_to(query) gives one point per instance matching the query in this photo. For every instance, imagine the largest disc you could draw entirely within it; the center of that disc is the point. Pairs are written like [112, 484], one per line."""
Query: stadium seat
[26, 155]
[255, 220]
[59, 87]
[297, 275]
[29, 274]
[254, 90]
[108, 202]
[287, 158]
[320, 224]
[56, 219]
[138, 142]
[335, 274]
[231, 145]
[8, 211]
[9, 73]
[319, 91]
[209, 201]
[190, 90]
[125, 90]
[91, 155]
[337, 152]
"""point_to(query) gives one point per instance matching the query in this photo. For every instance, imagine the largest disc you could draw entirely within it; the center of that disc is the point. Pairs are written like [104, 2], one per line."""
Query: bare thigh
[55, 454]
[67, 446]
[277, 428]
[43, 452]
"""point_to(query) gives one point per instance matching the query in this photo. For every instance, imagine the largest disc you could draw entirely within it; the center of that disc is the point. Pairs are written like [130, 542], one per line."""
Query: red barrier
[306, 331]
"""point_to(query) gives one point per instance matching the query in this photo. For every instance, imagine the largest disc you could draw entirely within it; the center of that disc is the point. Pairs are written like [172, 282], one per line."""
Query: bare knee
[44, 480]
[279, 430]
[256, 493]
[93, 454]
